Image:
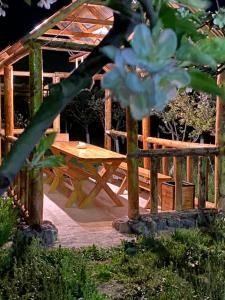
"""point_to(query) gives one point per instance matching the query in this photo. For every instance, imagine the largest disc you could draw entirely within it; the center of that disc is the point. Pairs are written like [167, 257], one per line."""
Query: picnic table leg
[77, 195]
[123, 186]
[56, 181]
[101, 183]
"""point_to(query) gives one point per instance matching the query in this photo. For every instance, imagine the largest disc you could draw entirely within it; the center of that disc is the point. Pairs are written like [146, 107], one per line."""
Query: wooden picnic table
[85, 163]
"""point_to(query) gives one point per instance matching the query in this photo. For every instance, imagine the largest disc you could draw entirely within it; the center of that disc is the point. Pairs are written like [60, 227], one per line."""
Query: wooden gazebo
[79, 27]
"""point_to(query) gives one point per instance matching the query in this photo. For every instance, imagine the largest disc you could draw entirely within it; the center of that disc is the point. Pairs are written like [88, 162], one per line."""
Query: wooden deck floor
[85, 227]
[92, 225]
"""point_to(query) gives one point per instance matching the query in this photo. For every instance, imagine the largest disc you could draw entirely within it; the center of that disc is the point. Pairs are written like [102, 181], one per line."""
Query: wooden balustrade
[163, 149]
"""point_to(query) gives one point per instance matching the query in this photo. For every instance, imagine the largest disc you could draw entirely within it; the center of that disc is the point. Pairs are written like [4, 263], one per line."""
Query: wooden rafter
[74, 34]
[73, 45]
[89, 21]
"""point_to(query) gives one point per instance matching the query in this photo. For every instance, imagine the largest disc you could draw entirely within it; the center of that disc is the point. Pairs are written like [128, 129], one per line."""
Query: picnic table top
[89, 153]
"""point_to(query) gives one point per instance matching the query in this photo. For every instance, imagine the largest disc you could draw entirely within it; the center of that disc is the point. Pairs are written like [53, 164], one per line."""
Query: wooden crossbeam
[58, 44]
[74, 34]
[89, 21]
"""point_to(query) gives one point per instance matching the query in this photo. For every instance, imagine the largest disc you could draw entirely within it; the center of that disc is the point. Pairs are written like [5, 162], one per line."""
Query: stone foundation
[46, 233]
[153, 224]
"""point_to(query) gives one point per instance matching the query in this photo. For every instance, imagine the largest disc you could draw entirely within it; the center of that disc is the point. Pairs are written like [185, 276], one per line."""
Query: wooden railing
[162, 149]
[19, 189]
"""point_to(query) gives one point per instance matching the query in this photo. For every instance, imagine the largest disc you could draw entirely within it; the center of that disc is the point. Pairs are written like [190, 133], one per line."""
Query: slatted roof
[77, 27]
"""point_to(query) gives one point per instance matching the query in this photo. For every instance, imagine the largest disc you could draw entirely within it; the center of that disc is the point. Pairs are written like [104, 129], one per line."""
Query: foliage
[188, 116]
[219, 18]
[49, 161]
[48, 274]
[148, 73]
[8, 220]
[188, 264]
[145, 75]
[82, 111]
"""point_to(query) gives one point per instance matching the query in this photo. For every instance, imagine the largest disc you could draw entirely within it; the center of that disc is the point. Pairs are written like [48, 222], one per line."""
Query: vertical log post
[56, 122]
[132, 166]
[178, 182]
[165, 164]
[8, 103]
[35, 205]
[146, 133]
[108, 119]
[0, 122]
[202, 181]
[220, 142]
[154, 184]
[189, 169]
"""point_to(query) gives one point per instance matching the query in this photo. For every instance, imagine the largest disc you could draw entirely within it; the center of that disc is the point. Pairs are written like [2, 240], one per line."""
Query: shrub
[48, 274]
[8, 219]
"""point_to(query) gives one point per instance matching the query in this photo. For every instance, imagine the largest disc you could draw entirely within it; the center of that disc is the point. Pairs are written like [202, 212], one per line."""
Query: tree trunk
[87, 134]
[117, 145]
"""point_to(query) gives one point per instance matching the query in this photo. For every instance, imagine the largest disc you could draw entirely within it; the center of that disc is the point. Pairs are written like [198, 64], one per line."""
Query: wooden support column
[35, 205]
[8, 103]
[146, 133]
[108, 119]
[202, 181]
[220, 142]
[189, 168]
[154, 184]
[0, 122]
[178, 182]
[165, 164]
[56, 122]
[132, 165]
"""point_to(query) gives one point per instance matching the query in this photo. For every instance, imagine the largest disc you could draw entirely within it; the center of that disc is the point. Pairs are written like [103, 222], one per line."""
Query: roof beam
[74, 34]
[57, 17]
[64, 44]
[89, 21]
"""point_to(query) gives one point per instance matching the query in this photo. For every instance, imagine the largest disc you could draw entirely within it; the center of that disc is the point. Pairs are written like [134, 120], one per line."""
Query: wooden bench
[144, 180]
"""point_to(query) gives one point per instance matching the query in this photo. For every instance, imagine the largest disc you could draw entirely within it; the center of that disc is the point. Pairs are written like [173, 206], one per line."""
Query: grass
[190, 264]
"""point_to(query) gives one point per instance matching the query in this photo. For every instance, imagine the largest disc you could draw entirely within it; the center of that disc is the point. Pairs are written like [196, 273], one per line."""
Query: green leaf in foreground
[203, 82]
[200, 4]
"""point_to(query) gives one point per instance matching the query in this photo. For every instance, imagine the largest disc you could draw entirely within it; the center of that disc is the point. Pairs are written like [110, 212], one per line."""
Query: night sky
[22, 18]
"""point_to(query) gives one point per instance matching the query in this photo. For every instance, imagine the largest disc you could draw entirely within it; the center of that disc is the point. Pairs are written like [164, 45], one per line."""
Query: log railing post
[202, 181]
[132, 166]
[178, 182]
[35, 204]
[108, 119]
[220, 142]
[154, 184]
[0, 123]
[56, 122]
[189, 176]
[8, 103]
[165, 165]
[146, 133]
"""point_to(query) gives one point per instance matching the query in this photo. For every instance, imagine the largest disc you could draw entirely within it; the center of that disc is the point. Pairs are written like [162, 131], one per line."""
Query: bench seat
[144, 179]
